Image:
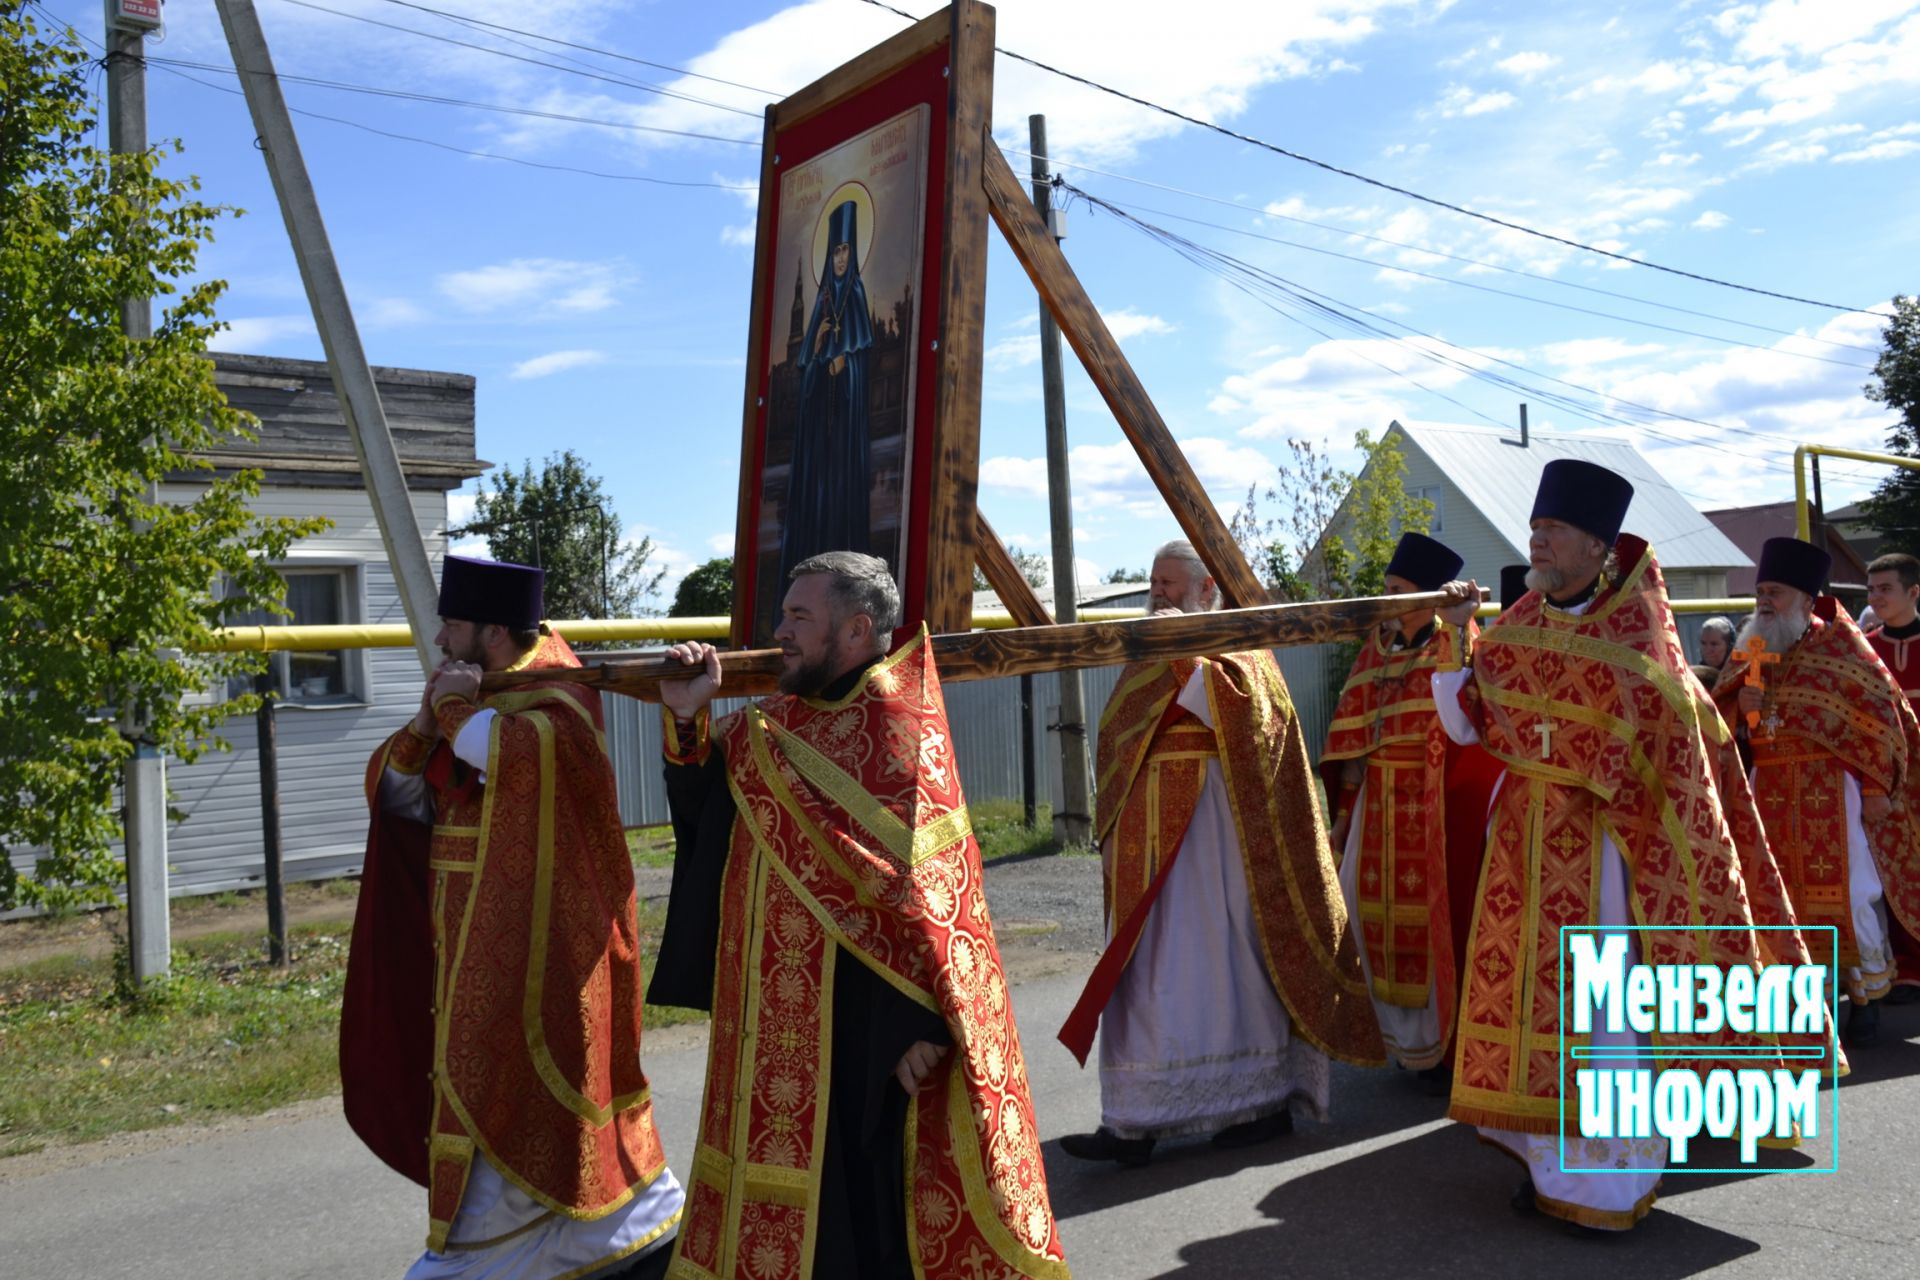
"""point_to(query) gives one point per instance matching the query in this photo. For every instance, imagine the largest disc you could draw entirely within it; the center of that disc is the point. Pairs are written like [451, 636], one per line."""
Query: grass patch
[651, 846]
[1001, 829]
[226, 1035]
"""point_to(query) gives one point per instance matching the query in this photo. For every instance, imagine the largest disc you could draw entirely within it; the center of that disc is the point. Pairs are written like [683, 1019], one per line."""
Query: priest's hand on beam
[1462, 599]
[686, 698]
[916, 1064]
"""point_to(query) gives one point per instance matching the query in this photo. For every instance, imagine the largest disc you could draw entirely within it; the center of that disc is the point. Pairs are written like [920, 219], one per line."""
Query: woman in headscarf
[1716, 643]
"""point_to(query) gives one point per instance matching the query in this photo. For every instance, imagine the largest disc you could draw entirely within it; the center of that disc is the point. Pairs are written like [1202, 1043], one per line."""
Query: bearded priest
[1608, 815]
[1835, 752]
[867, 1114]
[1230, 976]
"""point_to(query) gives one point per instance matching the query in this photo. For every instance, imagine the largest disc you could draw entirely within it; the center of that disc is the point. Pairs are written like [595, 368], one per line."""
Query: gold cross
[1545, 730]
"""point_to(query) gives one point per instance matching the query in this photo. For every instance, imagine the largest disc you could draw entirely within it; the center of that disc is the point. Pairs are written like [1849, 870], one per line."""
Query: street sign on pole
[139, 16]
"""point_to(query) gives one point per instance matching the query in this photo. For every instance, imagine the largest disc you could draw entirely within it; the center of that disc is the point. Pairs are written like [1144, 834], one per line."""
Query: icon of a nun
[828, 488]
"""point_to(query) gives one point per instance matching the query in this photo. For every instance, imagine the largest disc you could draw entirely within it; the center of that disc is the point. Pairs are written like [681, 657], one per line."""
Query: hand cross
[1758, 659]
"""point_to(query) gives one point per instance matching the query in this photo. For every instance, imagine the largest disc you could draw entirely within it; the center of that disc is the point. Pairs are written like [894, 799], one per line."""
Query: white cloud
[1528, 64]
[1184, 64]
[1337, 387]
[1710, 220]
[721, 544]
[1891, 149]
[1459, 100]
[535, 284]
[1023, 349]
[556, 362]
[1111, 475]
[1581, 353]
[741, 236]
[255, 333]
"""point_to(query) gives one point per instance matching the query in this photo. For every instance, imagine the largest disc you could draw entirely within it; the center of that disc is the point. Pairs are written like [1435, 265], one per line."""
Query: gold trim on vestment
[886, 664]
[910, 845]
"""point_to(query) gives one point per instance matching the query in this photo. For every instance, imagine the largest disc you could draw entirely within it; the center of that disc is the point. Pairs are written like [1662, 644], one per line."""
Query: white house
[336, 707]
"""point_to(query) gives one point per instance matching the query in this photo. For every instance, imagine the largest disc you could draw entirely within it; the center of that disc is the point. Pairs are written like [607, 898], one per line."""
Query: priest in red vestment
[490, 1035]
[1609, 814]
[867, 1114]
[1836, 768]
[1410, 813]
[1230, 976]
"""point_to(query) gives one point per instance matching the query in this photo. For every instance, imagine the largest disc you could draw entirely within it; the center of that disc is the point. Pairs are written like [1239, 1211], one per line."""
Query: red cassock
[1423, 824]
[493, 991]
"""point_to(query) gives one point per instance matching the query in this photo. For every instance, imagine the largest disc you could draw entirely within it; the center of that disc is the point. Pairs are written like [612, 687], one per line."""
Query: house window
[319, 596]
[1432, 493]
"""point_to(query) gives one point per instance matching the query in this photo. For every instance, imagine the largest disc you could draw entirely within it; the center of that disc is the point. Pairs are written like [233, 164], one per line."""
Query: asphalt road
[1388, 1188]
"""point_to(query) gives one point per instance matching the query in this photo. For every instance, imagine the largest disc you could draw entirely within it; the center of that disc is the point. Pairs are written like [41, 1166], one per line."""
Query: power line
[1255, 282]
[1437, 253]
[516, 57]
[410, 95]
[1482, 288]
[1437, 203]
[466, 151]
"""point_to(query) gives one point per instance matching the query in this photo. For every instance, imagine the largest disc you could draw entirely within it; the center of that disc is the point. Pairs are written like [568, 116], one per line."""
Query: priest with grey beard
[1833, 744]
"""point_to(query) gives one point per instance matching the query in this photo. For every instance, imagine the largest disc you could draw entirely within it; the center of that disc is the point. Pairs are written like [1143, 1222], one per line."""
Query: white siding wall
[322, 751]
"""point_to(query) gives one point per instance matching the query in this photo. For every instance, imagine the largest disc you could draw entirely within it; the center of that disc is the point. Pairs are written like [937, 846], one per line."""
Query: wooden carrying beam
[985, 655]
[1087, 333]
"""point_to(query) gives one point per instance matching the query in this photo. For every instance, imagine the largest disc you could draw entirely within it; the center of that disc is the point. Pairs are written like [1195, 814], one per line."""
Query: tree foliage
[110, 586]
[1116, 576]
[1894, 508]
[1337, 529]
[1034, 567]
[706, 592]
[560, 520]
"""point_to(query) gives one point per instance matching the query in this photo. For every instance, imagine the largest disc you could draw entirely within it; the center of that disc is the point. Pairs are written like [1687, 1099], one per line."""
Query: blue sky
[1774, 144]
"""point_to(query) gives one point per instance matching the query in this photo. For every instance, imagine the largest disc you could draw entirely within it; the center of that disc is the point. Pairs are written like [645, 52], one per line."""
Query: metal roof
[1500, 478]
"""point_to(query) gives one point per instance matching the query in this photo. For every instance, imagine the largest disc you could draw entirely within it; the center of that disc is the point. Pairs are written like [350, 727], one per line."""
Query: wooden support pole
[988, 655]
[1073, 821]
[327, 295]
[1033, 244]
[143, 779]
[269, 752]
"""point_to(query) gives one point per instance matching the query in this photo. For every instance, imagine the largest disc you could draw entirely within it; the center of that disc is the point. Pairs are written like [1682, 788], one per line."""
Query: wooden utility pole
[1073, 824]
[144, 778]
[327, 295]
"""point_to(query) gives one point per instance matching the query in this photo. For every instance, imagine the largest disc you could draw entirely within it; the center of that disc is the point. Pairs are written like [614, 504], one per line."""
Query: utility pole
[1073, 823]
[327, 295]
[144, 778]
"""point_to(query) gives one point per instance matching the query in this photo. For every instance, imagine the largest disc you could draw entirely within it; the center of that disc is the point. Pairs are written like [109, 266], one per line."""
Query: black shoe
[1905, 993]
[1863, 1025]
[1522, 1200]
[1254, 1132]
[1437, 1081]
[1104, 1144]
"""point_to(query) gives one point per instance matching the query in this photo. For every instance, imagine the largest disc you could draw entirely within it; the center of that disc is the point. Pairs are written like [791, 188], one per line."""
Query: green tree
[1338, 528]
[1894, 508]
[1034, 567]
[110, 589]
[1116, 576]
[560, 520]
[706, 592]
